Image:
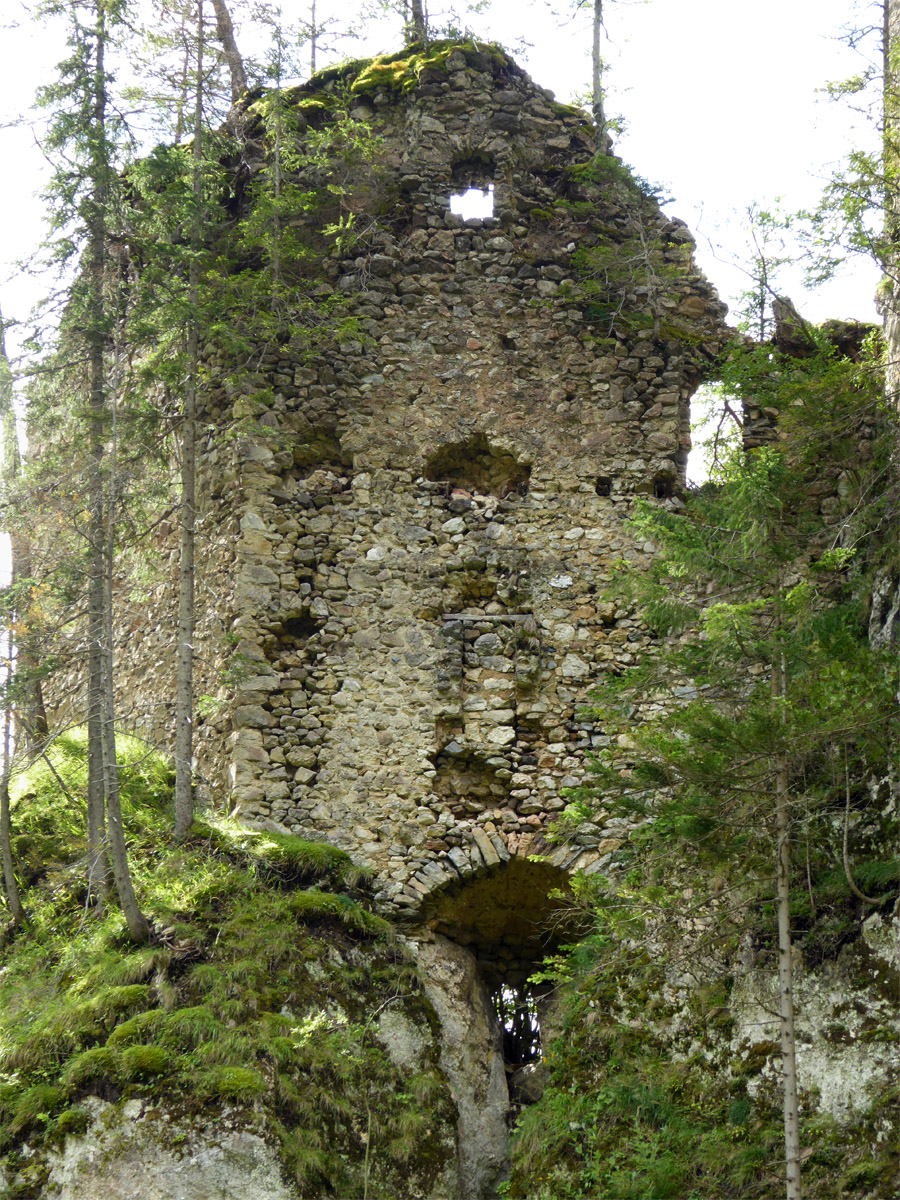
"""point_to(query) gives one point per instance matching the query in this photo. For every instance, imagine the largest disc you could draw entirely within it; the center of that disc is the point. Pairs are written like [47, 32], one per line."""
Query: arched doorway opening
[510, 918]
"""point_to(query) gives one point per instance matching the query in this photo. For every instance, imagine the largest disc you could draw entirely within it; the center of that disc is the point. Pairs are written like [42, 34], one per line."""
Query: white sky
[719, 99]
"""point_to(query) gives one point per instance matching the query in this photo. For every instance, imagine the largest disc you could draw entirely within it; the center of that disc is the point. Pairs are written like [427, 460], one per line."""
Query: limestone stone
[142, 1152]
[471, 1059]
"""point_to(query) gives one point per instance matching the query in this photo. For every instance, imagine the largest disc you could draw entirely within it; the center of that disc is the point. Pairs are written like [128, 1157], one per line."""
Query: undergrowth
[260, 987]
[643, 1102]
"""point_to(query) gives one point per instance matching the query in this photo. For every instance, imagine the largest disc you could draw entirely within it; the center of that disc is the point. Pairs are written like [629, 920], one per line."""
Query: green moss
[35, 1104]
[72, 1121]
[259, 991]
[141, 1062]
[144, 1027]
[90, 1066]
[402, 72]
[313, 903]
[568, 110]
[312, 107]
[231, 1083]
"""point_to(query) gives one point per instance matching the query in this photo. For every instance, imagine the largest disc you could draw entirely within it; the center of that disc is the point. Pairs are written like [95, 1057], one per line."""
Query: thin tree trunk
[417, 27]
[103, 776]
[98, 866]
[10, 472]
[138, 926]
[10, 887]
[32, 712]
[32, 715]
[785, 965]
[597, 78]
[313, 37]
[225, 31]
[184, 685]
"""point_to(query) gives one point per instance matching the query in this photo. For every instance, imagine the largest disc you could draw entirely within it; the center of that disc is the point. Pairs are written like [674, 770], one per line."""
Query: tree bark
[10, 887]
[98, 867]
[597, 106]
[103, 775]
[138, 926]
[313, 37]
[225, 31]
[31, 713]
[785, 965]
[417, 24]
[10, 473]
[184, 682]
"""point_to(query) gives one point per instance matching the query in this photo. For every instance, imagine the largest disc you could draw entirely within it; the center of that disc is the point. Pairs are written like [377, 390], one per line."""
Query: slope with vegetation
[262, 993]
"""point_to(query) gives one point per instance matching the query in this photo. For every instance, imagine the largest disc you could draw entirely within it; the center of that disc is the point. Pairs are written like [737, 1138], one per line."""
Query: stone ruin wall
[405, 579]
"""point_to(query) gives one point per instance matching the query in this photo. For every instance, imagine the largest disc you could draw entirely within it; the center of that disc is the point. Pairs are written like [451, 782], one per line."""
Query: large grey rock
[140, 1153]
[472, 1060]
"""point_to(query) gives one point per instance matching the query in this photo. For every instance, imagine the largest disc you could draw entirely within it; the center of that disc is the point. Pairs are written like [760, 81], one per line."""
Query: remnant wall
[414, 539]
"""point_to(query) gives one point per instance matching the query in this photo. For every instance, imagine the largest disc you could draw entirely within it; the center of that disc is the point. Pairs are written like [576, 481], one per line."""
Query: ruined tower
[410, 548]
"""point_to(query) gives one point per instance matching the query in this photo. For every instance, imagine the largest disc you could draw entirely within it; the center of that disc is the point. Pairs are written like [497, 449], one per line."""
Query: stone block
[252, 716]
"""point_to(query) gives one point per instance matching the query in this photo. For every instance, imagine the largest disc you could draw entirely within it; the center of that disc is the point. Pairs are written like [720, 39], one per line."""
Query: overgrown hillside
[263, 999]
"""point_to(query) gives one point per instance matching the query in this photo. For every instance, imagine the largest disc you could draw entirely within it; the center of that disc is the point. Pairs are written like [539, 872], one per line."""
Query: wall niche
[476, 467]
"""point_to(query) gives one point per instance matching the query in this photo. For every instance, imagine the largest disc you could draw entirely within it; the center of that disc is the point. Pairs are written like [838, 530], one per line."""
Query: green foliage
[625, 276]
[747, 575]
[622, 1117]
[642, 1101]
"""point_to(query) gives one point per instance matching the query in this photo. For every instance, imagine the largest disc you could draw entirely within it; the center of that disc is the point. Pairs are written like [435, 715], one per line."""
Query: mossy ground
[261, 987]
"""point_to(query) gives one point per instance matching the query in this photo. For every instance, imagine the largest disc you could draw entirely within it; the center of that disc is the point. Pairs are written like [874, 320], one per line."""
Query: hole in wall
[472, 186]
[510, 918]
[473, 202]
[663, 487]
[603, 486]
[300, 629]
[517, 1011]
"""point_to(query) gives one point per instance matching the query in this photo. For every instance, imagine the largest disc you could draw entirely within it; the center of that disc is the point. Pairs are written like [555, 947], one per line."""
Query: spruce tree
[763, 673]
[10, 469]
[85, 191]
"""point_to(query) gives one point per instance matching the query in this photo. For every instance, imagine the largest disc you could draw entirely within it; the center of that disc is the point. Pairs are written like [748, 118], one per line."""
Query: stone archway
[507, 917]
[483, 936]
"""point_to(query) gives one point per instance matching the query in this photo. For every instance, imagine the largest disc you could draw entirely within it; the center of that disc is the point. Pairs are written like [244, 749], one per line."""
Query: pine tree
[184, 718]
[10, 466]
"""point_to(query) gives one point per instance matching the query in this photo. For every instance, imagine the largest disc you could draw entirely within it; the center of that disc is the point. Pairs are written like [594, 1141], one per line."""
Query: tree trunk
[10, 471]
[597, 78]
[417, 24]
[785, 966]
[10, 887]
[103, 776]
[98, 867]
[138, 927]
[225, 31]
[313, 37]
[184, 680]
[31, 714]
